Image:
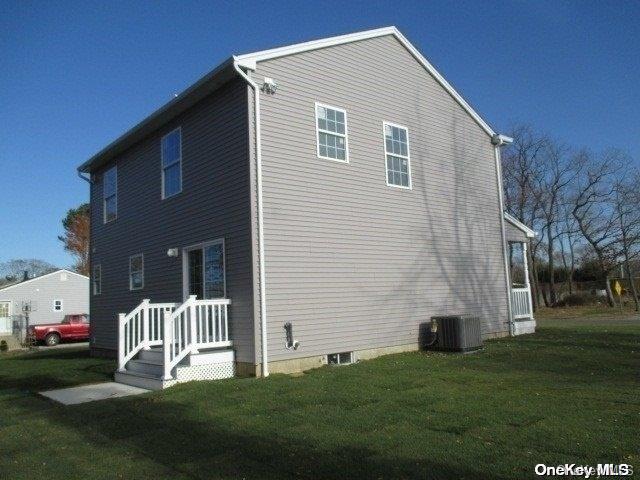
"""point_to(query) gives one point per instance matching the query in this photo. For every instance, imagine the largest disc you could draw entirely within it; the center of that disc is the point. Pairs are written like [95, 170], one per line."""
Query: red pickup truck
[72, 328]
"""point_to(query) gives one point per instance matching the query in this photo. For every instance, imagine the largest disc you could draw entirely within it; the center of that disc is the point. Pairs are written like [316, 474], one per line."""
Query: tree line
[584, 206]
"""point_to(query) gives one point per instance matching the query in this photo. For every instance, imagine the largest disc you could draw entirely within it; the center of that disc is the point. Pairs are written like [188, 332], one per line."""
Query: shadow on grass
[211, 447]
[70, 354]
[45, 370]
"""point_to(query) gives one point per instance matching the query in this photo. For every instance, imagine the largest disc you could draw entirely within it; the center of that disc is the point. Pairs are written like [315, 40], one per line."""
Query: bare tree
[522, 167]
[15, 270]
[569, 242]
[626, 202]
[591, 208]
[560, 170]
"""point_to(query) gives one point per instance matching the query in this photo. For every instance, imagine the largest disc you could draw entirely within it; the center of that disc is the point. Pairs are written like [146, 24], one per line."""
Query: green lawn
[587, 312]
[570, 393]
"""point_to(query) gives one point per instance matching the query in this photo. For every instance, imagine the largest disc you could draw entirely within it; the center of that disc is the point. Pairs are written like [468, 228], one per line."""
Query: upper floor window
[396, 149]
[172, 163]
[57, 305]
[331, 130]
[96, 280]
[136, 272]
[110, 194]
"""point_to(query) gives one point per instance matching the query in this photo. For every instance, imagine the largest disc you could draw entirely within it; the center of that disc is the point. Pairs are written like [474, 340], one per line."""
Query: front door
[204, 270]
[5, 318]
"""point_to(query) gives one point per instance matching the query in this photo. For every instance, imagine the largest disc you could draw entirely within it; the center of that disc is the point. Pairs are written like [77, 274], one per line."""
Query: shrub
[577, 299]
[3, 346]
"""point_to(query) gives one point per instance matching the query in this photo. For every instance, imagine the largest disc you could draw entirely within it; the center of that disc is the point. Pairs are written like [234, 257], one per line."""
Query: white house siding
[351, 262]
[71, 288]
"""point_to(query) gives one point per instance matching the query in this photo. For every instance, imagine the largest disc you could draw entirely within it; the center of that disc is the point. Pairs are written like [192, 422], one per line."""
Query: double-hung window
[97, 279]
[57, 305]
[171, 163]
[331, 130]
[396, 150]
[136, 272]
[110, 194]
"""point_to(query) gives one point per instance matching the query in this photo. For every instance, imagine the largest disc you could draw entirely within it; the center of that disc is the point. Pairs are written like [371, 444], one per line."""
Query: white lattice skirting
[213, 371]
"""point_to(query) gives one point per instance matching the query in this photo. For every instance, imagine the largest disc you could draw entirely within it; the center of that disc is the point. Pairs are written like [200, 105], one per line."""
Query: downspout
[261, 262]
[498, 141]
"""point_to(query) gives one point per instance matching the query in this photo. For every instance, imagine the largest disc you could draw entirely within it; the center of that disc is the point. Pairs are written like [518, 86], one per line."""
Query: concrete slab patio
[91, 393]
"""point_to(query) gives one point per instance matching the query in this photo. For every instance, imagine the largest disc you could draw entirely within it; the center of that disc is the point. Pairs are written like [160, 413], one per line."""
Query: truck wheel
[52, 339]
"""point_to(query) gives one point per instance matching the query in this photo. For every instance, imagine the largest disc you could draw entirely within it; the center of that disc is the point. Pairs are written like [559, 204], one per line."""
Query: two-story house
[308, 204]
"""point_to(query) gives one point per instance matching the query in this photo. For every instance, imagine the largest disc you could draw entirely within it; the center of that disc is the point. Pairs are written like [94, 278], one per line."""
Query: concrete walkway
[91, 393]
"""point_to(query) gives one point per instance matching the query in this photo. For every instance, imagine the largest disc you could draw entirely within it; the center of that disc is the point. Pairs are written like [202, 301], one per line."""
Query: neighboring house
[48, 298]
[330, 196]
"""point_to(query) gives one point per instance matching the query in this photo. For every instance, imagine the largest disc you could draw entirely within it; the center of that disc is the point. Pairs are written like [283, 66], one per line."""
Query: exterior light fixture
[172, 252]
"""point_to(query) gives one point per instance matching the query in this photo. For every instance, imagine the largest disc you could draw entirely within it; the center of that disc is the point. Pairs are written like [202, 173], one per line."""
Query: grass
[566, 394]
[627, 312]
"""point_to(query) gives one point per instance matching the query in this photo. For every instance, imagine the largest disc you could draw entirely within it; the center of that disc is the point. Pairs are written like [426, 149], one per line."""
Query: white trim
[253, 58]
[10, 310]
[141, 255]
[503, 236]
[185, 266]
[407, 157]
[329, 132]
[261, 254]
[93, 274]
[53, 306]
[104, 196]
[19, 284]
[519, 225]
[163, 166]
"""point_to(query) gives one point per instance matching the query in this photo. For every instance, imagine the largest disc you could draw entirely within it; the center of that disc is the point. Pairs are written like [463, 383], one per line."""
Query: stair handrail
[123, 320]
[171, 355]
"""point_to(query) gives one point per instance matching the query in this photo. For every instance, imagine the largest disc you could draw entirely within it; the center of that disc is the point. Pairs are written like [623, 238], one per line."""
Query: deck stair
[161, 344]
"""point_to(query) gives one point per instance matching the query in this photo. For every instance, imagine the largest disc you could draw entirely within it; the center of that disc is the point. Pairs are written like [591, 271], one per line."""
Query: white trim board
[250, 60]
[519, 225]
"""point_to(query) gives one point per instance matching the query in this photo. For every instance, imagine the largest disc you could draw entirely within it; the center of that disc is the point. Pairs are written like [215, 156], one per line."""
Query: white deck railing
[521, 303]
[143, 327]
[179, 328]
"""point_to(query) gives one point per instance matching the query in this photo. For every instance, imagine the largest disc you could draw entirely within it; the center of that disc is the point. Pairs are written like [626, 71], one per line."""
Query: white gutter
[261, 262]
[498, 141]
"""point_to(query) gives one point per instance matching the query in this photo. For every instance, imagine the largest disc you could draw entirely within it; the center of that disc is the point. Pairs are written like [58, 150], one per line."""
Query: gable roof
[519, 225]
[225, 71]
[40, 277]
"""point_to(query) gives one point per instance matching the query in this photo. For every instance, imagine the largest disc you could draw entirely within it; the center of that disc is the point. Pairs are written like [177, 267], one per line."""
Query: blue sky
[76, 75]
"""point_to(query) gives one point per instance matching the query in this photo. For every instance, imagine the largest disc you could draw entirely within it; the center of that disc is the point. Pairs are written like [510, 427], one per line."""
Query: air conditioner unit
[458, 333]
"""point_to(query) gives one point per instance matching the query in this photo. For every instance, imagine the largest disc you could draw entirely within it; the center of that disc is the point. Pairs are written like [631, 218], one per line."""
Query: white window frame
[104, 195]
[185, 264]
[131, 287]
[407, 157]
[163, 167]
[98, 268]
[9, 309]
[329, 132]
[61, 305]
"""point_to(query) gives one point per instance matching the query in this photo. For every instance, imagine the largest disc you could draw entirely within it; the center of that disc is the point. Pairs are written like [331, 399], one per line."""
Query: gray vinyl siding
[214, 203]
[351, 262]
[71, 288]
